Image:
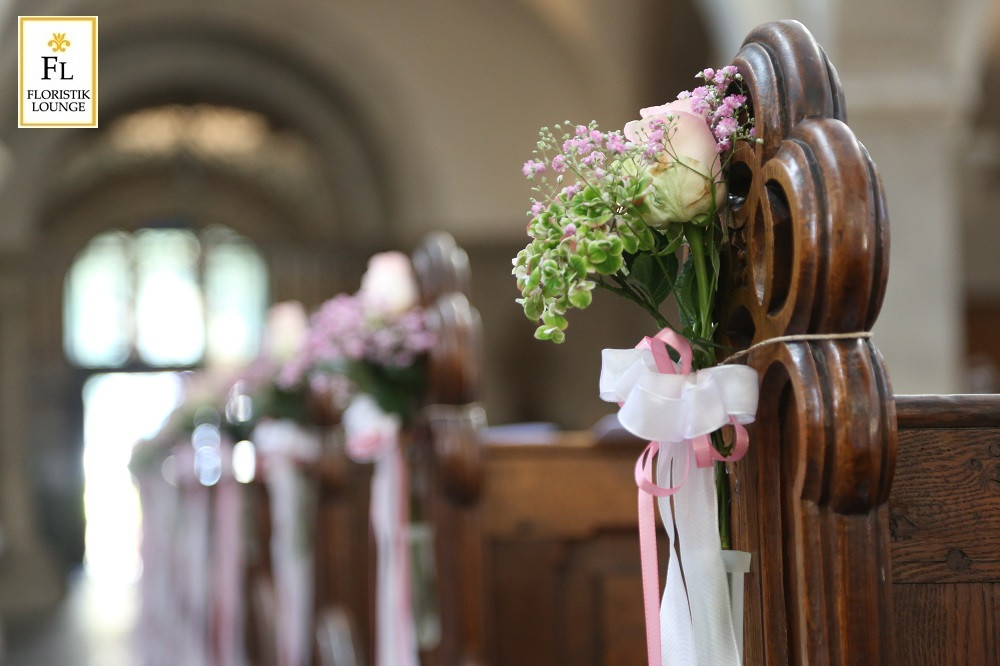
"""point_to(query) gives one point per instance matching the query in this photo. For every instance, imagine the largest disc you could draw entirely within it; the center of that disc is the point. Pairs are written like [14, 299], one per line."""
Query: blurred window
[165, 297]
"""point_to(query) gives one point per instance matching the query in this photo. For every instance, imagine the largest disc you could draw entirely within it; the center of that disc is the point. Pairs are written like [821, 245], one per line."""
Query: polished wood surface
[807, 252]
[560, 523]
[944, 524]
[948, 411]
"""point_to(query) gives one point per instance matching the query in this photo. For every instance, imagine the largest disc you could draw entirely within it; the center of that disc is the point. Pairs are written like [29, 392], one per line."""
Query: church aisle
[92, 627]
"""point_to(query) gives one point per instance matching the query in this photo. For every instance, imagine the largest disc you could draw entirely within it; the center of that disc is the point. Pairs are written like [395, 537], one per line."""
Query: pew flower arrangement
[259, 393]
[614, 210]
[637, 212]
[366, 352]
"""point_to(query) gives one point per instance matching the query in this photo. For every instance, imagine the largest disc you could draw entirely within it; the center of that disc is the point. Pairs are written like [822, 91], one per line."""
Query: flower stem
[722, 491]
[696, 241]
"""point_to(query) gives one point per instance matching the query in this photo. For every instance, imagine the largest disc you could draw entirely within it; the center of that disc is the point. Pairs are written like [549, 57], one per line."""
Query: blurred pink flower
[369, 432]
[389, 287]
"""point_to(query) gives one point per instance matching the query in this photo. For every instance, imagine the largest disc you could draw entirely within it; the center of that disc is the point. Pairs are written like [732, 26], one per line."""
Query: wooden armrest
[948, 411]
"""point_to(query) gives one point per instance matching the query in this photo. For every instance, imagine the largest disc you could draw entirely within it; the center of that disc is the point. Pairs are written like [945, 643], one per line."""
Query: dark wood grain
[944, 518]
[807, 252]
[341, 545]
[952, 624]
[441, 267]
[560, 526]
[948, 411]
[446, 460]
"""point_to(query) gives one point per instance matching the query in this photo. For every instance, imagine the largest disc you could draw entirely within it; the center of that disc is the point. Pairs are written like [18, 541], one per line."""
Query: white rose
[388, 286]
[684, 172]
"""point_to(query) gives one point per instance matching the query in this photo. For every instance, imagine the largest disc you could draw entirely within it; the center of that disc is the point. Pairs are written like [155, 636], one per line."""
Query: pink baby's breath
[532, 168]
[616, 143]
[343, 330]
[571, 191]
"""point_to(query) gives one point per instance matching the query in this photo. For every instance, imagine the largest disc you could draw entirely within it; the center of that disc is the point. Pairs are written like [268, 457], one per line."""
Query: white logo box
[57, 71]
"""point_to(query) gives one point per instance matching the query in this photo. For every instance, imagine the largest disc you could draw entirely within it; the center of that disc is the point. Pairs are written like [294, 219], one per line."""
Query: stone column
[909, 78]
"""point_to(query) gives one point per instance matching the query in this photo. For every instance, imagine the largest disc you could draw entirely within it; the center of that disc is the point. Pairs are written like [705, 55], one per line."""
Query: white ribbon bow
[668, 404]
[673, 408]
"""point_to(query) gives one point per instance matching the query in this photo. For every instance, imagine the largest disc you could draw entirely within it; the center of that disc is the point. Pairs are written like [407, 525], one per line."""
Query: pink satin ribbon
[704, 454]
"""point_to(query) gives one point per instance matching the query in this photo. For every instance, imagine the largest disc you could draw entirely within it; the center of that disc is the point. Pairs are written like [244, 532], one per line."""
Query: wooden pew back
[807, 254]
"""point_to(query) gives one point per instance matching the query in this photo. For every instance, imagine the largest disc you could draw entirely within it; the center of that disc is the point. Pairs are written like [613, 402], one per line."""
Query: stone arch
[215, 62]
[56, 199]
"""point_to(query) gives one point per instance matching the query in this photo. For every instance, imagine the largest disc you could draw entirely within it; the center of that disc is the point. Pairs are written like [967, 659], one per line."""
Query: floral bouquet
[639, 212]
[615, 210]
[367, 353]
[257, 394]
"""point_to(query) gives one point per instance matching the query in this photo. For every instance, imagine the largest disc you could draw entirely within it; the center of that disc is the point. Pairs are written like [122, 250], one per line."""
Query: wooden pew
[872, 519]
[446, 468]
[345, 554]
[522, 552]
[808, 255]
[944, 530]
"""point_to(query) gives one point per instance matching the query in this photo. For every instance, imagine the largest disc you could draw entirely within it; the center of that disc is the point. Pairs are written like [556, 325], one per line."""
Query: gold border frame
[20, 71]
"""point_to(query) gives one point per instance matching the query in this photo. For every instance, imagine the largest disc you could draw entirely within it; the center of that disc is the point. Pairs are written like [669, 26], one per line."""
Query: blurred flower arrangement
[359, 360]
[634, 212]
[361, 354]
[365, 352]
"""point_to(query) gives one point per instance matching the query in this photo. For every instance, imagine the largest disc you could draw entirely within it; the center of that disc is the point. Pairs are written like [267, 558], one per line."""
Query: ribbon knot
[666, 403]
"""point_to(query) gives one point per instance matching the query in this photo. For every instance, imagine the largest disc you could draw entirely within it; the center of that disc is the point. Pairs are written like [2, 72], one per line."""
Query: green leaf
[580, 298]
[548, 333]
[611, 264]
[534, 278]
[657, 275]
[672, 245]
[533, 308]
[686, 293]
[630, 243]
[554, 320]
[602, 219]
[647, 238]
[642, 269]
[713, 259]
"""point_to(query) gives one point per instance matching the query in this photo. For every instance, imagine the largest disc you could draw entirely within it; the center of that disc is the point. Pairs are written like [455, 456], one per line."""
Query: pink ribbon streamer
[395, 640]
[229, 569]
[372, 435]
[704, 454]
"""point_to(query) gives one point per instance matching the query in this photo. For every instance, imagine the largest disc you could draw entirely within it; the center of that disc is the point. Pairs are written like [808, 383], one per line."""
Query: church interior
[252, 152]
